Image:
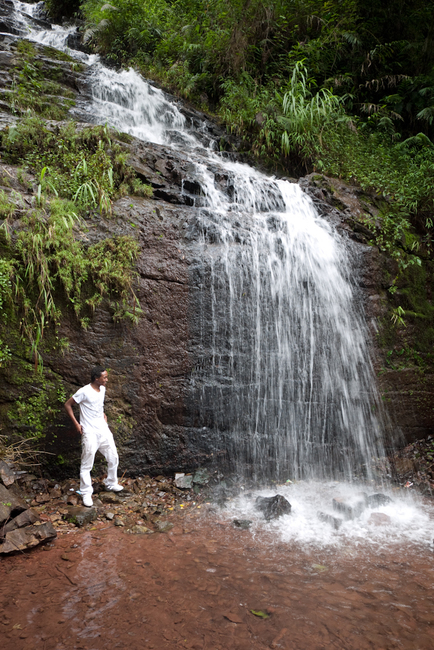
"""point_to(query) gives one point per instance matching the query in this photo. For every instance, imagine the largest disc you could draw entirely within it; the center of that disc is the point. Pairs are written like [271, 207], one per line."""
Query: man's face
[102, 379]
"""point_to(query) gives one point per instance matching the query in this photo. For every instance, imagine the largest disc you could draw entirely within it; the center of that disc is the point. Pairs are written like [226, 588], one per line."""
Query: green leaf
[260, 613]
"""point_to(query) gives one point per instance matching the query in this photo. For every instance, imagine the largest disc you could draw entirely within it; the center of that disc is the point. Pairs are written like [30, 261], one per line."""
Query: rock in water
[244, 524]
[349, 509]
[273, 507]
[379, 519]
[335, 522]
[375, 500]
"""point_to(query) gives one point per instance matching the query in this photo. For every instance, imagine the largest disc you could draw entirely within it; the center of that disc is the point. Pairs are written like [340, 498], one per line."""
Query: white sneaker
[114, 488]
[87, 500]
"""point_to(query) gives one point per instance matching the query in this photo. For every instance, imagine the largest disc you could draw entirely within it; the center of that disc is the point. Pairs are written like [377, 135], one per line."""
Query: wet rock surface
[349, 510]
[273, 507]
[335, 522]
[375, 500]
[379, 519]
[408, 390]
[413, 466]
[244, 524]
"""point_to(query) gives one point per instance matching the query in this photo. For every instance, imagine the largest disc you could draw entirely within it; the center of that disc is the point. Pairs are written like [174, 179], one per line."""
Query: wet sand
[195, 587]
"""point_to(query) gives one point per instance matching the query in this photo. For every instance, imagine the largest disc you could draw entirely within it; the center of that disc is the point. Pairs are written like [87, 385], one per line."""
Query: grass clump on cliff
[86, 166]
[48, 269]
[35, 86]
[46, 266]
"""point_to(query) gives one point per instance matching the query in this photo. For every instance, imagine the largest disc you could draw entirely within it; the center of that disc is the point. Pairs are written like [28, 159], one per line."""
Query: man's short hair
[96, 373]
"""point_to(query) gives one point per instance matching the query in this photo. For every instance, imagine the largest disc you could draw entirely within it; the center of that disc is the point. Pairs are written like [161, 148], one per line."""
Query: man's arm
[68, 408]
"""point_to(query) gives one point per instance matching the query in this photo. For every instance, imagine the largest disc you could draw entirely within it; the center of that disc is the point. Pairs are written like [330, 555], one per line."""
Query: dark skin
[99, 381]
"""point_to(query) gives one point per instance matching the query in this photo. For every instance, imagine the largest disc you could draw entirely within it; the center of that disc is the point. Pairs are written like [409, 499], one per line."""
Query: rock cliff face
[405, 377]
[150, 397]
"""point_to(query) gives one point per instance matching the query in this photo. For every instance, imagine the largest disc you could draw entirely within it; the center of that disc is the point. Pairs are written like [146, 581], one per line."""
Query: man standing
[96, 435]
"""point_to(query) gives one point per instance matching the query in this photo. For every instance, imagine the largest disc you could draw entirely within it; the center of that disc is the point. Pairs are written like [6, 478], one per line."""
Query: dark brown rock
[7, 474]
[80, 515]
[22, 539]
[273, 507]
[10, 504]
[407, 392]
[26, 518]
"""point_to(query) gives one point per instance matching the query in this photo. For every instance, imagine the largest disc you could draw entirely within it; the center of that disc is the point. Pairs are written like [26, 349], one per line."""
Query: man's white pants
[93, 441]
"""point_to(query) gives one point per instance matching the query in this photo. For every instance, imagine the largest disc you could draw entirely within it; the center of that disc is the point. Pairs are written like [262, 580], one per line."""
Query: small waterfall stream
[284, 380]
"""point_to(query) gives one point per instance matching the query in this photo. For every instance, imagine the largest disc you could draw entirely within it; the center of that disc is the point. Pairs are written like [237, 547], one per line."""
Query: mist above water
[408, 520]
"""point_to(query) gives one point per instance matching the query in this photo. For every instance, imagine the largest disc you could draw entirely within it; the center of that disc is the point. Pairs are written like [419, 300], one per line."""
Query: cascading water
[285, 382]
[283, 379]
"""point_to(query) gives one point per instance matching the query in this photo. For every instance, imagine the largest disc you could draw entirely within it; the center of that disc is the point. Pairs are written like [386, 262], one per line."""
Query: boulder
[80, 515]
[376, 500]
[335, 522]
[26, 518]
[379, 519]
[7, 474]
[273, 507]
[349, 509]
[21, 539]
[10, 504]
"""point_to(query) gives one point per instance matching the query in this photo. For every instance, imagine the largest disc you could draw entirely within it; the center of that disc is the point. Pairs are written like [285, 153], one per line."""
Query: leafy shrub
[46, 266]
[98, 164]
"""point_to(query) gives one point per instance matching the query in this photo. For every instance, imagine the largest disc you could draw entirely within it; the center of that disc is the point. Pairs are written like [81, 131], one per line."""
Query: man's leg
[88, 450]
[108, 449]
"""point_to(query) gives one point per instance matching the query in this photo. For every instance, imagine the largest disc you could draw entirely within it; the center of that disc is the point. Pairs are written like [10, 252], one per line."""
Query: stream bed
[199, 585]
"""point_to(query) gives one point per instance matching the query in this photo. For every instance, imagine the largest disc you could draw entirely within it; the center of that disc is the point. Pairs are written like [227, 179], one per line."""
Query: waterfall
[283, 379]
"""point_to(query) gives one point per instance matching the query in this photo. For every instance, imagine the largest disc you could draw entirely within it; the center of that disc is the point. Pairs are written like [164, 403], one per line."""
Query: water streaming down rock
[283, 381]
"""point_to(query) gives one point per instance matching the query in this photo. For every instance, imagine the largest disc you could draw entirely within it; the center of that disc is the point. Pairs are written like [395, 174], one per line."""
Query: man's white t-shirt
[91, 408]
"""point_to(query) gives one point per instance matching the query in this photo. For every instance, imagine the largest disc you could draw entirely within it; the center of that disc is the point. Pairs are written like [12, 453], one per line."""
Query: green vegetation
[35, 86]
[32, 414]
[86, 166]
[45, 264]
[340, 87]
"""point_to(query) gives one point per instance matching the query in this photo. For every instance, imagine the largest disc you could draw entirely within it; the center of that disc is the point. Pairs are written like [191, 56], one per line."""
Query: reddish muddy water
[195, 587]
